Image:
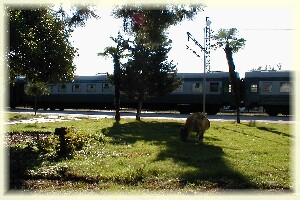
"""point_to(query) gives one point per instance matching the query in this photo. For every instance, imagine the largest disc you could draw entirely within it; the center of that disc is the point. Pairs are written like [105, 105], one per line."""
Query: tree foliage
[148, 73]
[40, 48]
[79, 15]
[229, 37]
[39, 45]
[36, 89]
[155, 18]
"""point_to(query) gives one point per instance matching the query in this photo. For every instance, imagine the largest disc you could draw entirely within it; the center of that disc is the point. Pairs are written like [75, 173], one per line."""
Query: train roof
[214, 74]
[259, 74]
[87, 78]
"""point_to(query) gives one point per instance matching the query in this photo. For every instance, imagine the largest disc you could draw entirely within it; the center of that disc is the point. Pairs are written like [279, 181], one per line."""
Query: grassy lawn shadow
[272, 130]
[207, 160]
[21, 160]
[25, 155]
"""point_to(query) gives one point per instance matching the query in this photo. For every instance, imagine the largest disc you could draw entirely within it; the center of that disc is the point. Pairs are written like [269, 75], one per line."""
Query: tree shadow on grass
[260, 136]
[273, 130]
[20, 161]
[23, 156]
[208, 160]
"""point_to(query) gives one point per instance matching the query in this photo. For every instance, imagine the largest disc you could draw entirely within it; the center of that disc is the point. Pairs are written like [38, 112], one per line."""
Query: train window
[91, 87]
[197, 87]
[253, 87]
[106, 88]
[62, 88]
[267, 87]
[76, 88]
[284, 87]
[214, 87]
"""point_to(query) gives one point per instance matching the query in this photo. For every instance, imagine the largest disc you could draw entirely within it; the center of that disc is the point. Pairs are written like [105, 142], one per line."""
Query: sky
[268, 32]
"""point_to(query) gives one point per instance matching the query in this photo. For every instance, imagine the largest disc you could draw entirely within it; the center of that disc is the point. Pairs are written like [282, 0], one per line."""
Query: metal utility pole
[206, 58]
[206, 50]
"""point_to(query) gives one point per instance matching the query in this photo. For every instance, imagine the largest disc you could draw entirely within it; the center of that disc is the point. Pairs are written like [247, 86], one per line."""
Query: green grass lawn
[15, 117]
[147, 156]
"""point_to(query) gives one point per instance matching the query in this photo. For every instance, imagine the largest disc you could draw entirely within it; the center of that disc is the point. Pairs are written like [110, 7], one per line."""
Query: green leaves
[40, 48]
[80, 15]
[228, 36]
[156, 18]
[37, 89]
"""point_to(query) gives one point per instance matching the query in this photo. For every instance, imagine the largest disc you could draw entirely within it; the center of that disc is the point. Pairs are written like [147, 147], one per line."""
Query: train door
[213, 97]
[213, 90]
[227, 96]
[251, 93]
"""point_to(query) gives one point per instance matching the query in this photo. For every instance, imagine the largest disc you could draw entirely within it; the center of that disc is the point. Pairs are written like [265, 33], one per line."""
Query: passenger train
[268, 89]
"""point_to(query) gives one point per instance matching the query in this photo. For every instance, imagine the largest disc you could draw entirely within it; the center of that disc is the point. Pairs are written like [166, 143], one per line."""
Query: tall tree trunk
[35, 104]
[117, 87]
[139, 107]
[234, 80]
[117, 103]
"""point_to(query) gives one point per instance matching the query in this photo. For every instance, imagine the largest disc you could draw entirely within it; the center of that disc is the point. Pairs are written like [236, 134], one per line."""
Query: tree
[117, 54]
[147, 72]
[39, 46]
[227, 38]
[36, 89]
[39, 42]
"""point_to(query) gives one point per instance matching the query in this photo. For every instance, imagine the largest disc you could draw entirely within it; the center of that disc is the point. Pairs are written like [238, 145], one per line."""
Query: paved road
[96, 114]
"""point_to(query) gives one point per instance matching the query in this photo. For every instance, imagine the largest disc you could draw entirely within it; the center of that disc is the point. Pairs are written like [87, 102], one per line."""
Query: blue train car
[189, 96]
[95, 92]
[91, 92]
[270, 89]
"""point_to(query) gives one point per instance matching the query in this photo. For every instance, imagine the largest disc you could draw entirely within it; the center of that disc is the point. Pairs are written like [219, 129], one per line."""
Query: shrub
[69, 141]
